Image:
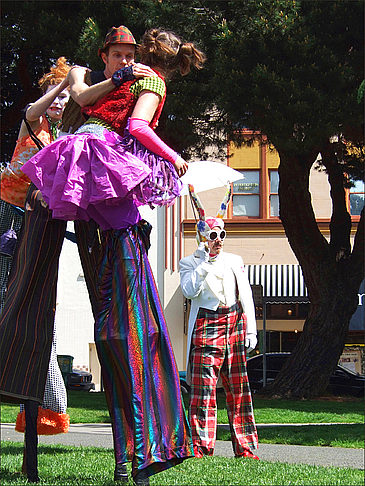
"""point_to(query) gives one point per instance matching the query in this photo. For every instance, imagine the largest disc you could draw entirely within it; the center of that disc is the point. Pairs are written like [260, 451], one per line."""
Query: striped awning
[280, 283]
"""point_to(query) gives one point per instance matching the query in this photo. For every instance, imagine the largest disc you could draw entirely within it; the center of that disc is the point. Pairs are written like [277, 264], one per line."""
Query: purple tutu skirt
[85, 169]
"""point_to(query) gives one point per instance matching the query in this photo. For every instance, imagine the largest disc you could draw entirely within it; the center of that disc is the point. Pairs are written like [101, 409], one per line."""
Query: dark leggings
[31, 440]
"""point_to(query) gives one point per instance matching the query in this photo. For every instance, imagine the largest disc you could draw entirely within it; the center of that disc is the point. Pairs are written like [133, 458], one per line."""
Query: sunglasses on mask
[213, 235]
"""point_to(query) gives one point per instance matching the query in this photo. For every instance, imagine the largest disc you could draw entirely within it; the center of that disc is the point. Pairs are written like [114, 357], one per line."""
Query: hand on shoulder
[142, 71]
[76, 73]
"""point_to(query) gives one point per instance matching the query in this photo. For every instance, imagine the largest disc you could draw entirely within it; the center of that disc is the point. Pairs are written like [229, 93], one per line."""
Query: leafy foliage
[294, 69]
[290, 69]
[89, 42]
[75, 29]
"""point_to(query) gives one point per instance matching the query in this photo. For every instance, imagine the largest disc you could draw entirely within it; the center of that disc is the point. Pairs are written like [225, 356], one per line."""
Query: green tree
[289, 69]
[292, 71]
[36, 32]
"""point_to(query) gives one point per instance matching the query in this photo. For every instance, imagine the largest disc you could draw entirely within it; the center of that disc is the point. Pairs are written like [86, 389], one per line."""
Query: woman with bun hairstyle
[113, 164]
[43, 117]
[116, 154]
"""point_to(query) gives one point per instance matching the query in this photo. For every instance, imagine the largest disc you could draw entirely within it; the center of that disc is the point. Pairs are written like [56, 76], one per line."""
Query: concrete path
[100, 435]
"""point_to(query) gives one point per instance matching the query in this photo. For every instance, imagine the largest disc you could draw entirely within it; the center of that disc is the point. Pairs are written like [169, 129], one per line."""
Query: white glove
[250, 342]
[203, 252]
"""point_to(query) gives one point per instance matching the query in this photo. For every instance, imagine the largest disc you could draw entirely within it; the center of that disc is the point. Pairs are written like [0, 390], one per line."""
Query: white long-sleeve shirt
[207, 284]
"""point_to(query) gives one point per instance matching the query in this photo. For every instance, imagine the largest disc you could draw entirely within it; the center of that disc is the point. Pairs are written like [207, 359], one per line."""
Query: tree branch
[340, 225]
[296, 210]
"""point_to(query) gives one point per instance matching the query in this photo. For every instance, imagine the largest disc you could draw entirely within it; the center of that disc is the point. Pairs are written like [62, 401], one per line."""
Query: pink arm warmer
[143, 132]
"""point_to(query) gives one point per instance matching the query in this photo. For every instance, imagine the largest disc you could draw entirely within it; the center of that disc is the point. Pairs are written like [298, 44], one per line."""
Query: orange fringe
[48, 422]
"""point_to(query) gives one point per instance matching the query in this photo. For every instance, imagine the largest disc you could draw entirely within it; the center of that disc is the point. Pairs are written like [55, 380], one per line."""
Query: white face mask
[58, 105]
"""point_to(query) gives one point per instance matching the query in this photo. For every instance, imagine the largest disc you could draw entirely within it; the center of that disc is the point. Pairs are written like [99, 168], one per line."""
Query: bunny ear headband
[204, 224]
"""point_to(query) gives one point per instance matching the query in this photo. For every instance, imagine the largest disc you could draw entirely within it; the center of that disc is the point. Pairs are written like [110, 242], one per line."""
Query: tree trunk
[319, 347]
[332, 285]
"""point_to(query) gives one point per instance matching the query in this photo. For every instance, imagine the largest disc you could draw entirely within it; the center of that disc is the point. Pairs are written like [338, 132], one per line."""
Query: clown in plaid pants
[222, 326]
[218, 349]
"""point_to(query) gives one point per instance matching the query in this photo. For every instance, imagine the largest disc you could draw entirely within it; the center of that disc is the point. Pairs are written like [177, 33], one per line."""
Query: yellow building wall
[259, 243]
[250, 158]
[245, 157]
[272, 158]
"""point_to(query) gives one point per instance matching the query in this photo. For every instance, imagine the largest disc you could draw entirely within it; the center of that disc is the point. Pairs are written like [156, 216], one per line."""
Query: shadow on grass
[14, 449]
[350, 404]
[309, 435]
[8, 477]
[335, 405]
[330, 404]
[55, 468]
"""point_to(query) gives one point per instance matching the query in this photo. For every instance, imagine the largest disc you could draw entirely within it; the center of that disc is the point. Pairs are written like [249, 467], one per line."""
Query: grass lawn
[89, 466]
[91, 408]
[350, 436]
[269, 411]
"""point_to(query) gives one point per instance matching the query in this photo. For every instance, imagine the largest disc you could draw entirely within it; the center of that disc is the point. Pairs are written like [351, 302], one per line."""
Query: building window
[246, 194]
[255, 196]
[274, 196]
[357, 198]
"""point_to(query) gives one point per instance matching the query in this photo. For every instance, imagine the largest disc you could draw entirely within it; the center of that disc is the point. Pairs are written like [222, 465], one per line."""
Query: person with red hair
[41, 119]
[28, 361]
[47, 415]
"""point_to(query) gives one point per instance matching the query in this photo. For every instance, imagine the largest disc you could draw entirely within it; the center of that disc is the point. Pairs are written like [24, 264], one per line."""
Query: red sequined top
[117, 106]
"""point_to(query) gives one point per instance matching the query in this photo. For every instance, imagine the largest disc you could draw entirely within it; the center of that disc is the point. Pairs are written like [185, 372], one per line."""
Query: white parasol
[205, 175]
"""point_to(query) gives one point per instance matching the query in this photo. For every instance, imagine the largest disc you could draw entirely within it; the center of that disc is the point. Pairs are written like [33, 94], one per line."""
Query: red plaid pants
[218, 349]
